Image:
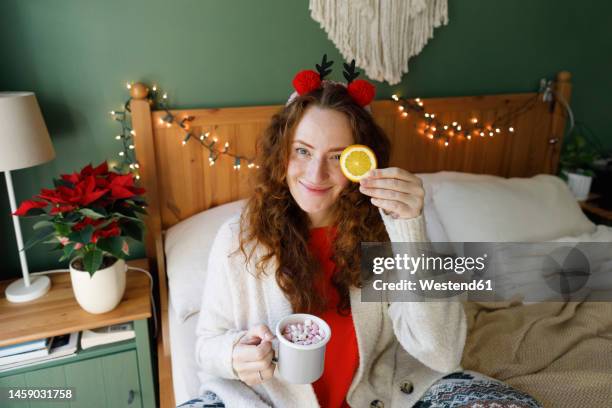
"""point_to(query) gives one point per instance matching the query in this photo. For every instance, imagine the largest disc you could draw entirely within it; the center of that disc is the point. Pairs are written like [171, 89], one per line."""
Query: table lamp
[24, 142]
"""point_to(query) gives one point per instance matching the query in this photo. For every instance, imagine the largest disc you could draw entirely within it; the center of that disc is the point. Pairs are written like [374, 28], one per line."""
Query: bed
[189, 199]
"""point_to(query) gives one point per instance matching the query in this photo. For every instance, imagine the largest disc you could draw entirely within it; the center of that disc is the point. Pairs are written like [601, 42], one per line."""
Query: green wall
[78, 55]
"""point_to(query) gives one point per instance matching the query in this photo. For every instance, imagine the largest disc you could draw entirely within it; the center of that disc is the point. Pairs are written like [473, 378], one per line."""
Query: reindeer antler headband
[308, 80]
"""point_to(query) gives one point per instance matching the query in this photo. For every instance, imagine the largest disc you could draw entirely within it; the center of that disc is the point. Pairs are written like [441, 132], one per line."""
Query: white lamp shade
[24, 139]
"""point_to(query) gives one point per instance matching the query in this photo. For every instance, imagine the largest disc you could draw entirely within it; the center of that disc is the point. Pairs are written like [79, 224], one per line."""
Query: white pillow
[431, 182]
[187, 246]
[496, 209]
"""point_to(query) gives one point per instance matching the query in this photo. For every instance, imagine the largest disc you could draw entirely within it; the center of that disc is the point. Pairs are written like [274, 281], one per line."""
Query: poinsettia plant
[89, 215]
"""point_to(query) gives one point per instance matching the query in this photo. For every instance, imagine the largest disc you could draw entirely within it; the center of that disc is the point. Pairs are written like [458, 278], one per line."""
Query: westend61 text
[429, 285]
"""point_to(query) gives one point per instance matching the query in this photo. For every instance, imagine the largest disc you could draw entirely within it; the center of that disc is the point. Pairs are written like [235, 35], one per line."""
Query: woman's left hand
[398, 192]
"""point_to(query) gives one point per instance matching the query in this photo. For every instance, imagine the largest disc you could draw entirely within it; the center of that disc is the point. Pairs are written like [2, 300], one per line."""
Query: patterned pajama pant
[463, 389]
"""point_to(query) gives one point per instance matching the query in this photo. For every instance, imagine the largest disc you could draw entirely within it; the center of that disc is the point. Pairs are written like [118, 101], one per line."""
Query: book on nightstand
[59, 347]
[107, 334]
[24, 347]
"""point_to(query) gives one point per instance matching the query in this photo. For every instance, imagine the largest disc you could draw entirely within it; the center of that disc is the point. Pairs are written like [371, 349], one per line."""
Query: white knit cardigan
[403, 347]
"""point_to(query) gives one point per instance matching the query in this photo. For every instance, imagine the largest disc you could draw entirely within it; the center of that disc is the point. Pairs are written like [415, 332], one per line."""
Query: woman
[296, 247]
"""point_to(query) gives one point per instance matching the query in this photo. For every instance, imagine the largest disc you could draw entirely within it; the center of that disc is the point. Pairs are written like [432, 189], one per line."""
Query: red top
[341, 354]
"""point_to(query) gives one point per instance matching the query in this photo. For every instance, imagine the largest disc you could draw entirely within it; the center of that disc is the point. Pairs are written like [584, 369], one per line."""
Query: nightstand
[594, 211]
[112, 375]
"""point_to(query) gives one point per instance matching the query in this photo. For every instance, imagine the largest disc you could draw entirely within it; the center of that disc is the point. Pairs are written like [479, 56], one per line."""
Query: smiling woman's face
[313, 173]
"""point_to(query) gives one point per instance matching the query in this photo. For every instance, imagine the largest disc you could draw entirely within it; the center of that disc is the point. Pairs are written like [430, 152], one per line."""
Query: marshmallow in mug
[304, 334]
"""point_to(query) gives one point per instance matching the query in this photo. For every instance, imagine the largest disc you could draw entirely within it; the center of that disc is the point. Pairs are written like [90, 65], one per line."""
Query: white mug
[297, 363]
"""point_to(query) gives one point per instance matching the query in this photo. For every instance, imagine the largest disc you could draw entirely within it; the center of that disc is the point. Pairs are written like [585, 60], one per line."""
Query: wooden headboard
[180, 182]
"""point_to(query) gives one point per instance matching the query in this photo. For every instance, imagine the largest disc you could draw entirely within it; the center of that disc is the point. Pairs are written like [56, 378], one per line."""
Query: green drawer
[105, 382]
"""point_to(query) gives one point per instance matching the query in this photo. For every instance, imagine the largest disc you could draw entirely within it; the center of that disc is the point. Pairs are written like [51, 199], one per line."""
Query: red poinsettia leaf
[362, 91]
[51, 195]
[118, 192]
[137, 190]
[28, 205]
[101, 170]
[306, 81]
[61, 208]
[122, 180]
[87, 170]
[74, 178]
[89, 198]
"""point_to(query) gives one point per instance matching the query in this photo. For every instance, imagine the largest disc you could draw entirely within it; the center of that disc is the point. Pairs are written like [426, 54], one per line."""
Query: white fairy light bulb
[511, 129]
[133, 132]
[154, 88]
[112, 113]
[401, 108]
[121, 153]
[137, 165]
[459, 127]
[481, 134]
[469, 137]
[497, 130]
[131, 146]
[445, 143]
[432, 115]
[165, 96]
[404, 114]
[426, 114]
[474, 120]
[128, 85]
[118, 137]
[454, 124]
[395, 97]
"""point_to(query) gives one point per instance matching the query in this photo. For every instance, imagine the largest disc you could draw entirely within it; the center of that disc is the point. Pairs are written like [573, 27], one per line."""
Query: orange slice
[356, 160]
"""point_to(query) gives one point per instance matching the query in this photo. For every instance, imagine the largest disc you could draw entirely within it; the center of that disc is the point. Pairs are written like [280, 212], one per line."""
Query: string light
[455, 128]
[158, 100]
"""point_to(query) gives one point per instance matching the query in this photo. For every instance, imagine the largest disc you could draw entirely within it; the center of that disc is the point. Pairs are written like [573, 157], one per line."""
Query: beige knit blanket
[558, 352]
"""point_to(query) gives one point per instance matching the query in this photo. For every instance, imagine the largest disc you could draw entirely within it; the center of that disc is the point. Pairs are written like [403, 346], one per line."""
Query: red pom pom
[361, 91]
[306, 81]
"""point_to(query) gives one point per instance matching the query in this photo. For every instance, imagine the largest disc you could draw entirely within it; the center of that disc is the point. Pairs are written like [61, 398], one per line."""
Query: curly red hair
[272, 217]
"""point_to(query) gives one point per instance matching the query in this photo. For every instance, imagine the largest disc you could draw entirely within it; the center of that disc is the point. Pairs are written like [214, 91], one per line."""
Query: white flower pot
[101, 292]
[580, 185]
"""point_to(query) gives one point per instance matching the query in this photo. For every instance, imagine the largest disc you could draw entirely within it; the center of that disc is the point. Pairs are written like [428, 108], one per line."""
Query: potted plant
[90, 215]
[576, 162]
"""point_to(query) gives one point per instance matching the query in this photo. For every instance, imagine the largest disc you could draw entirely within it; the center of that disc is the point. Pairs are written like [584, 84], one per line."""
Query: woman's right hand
[252, 356]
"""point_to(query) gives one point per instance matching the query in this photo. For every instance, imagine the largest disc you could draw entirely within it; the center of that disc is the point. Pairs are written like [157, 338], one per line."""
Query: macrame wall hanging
[381, 35]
